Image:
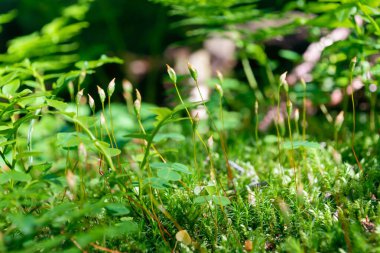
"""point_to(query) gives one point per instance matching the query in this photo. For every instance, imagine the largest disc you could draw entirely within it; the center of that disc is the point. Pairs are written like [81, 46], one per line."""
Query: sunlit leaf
[158, 183]
[221, 200]
[59, 105]
[113, 151]
[168, 174]
[10, 89]
[16, 176]
[117, 209]
[98, 63]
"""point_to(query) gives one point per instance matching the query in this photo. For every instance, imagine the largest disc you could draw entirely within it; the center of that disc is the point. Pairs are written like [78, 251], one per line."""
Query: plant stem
[222, 140]
[111, 122]
[106, 127]
[352, 67]
[277, 122]
[372, 115]
[257, 120]
[304, 123]
[96, 142]
[192, 122]
[292, 160]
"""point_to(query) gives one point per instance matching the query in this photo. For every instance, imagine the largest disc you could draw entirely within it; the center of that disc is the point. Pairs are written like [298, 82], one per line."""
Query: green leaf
[35, 99]
[46, 244]
[211, 189]
[157, 183]
[159, 165]
[66, 77]
[7, 17]
[290, 55]
[180, 168]
[6, 126]
[10, 89]
[5, 143]
[26, 223]
[221, 200]
[169, 174]
[99, 233]
[68, 140]
[187, 105]
[42, 166]
[257, 52]
[16, 176]
[98, 63]
[8, 78]
[27, 154]
[113, 151]
[116, 209]
[202, 199]
[23, 93]
[161, 113]
[322, 7]
[59, 105]
[171, 166]
[218, 200]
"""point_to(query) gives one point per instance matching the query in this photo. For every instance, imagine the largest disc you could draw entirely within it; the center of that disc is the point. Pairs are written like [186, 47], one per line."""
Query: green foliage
[235, 19]
[74, 178]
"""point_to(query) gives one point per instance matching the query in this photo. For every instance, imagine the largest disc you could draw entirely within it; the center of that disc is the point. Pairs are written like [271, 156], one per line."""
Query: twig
[104, 249]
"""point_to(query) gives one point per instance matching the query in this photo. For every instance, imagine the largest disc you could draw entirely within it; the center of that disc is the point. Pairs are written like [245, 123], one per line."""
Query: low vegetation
[87, 174]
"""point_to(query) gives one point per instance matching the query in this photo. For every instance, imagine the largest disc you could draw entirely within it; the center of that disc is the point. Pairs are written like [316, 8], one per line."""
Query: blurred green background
[270, 35]
[132, 30]
[138, 31]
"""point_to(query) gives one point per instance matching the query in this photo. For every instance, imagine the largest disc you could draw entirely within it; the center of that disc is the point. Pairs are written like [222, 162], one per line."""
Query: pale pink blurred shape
[358, 20]
[372, 87]
[139, 67]
[71, 180]
[181, 56]
[313, 54]
[336, 97]
[357, 84]
[200, 60]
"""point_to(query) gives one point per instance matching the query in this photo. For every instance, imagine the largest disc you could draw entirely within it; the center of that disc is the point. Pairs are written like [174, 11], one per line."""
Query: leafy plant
[80, 176]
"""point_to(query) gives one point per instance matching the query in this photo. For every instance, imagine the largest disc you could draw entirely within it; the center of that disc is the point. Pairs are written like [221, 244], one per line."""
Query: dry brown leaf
[248, 245]
[184, 237]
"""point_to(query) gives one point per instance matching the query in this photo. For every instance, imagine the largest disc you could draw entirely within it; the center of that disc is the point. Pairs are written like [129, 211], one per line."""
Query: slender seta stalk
[102, 96]
[137, 105]
[372, 115]
[289, 109]
[304, 123]
[194, 75]
[352, 68]
[97, 144]
[173, 78]
[257, 120]
[110, 91]
[277, 121]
